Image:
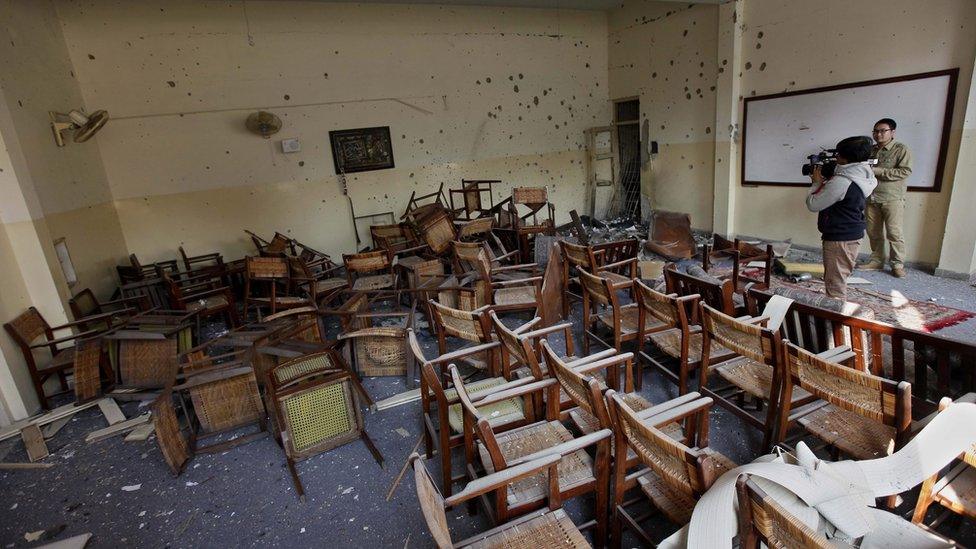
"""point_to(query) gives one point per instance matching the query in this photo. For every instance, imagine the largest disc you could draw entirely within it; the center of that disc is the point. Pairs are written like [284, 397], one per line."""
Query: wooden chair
[503, 295]
[320, 284]
[756, 372]
[135, 271]
[867, 416]
[419, 207]
[369, 271]
[765, 523]
[591, 260]
[956, 490]
[173, 444]
[85, 304]
[223, 397]
[550, 527]
[202, 294]
[213, 261]
[680, 471]
[621, 320]
[472, 205]
[522, 356]
[442, 418]
[393, 238]
[536, 200]
[719, 294]
[276, 247]
[437, 231]
[668, 322]
[45, 354]
[741, 254]
[380, 350]
[315, 409]
[273, 273]
[578, 473]
[473, 327]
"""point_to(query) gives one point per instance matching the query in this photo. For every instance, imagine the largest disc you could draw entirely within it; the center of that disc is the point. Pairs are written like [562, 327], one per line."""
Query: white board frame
[953, 76]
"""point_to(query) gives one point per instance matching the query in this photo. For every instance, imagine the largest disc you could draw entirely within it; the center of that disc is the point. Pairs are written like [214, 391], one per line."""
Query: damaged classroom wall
[468, 92]
[665, 54]
[794, 45]
[73, 197]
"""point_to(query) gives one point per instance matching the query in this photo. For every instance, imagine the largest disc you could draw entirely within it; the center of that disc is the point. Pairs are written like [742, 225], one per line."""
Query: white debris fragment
[302, 531]
[403, 432]
[191, 483]
[14, 506]
[142, 513]
[131, 488]
[33, 536]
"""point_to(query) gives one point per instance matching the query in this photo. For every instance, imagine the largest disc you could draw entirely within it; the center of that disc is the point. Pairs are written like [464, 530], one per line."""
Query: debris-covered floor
[124, 493]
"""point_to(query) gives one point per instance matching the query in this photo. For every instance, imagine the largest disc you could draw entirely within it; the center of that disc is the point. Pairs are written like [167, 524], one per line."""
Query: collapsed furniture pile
[278, 342]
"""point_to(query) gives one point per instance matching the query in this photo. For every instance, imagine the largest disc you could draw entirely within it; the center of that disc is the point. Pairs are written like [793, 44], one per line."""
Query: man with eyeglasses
[885, 207]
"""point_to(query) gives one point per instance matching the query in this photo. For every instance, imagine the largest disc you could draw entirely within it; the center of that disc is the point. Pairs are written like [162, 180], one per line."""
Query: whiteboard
[781, 130]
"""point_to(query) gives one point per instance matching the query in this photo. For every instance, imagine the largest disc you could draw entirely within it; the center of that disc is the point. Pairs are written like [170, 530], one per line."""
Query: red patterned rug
[893, 308]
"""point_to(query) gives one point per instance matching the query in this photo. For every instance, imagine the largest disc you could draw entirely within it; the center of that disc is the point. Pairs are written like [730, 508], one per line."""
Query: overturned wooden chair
[369, 271]
[273, 274]
[315, 409]
[549, 527]
[677, 472]
[536, 201]
[488, 283]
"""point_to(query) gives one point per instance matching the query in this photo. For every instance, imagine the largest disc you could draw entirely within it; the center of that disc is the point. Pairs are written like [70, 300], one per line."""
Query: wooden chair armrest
[494, 481]
[544, 331]
[65, 339]
[477, 396]
[669, 404]
[590, 358]
[521, 329]
[507, 255]
[84, 320]
[523, 266]
[501, 396]
[207, 293]
[680, 412]
[621, 263]
[566, 448]
[461, 353]
[532, 279]
[603, 364]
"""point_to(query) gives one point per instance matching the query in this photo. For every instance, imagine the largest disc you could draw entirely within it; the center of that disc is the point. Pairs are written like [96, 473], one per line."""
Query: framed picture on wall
[361, 149]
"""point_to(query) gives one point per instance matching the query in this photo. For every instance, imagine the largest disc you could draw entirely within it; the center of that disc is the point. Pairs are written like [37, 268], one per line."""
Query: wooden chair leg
[372, 447]
[924, 500]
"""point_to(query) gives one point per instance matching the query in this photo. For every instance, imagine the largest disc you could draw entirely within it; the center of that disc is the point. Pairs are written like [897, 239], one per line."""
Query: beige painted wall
[70, 183]
[665, 53]
[467, 91]
[811, 44]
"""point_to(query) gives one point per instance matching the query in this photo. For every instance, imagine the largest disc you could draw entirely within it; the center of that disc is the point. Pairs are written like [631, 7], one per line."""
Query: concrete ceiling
[563, 4]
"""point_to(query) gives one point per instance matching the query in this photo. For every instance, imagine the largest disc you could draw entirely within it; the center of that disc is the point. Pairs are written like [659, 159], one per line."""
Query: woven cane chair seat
[564, 398]
[207, 303]
[959, 493]
[669, 342]
[500, 413]
[554, 529]
[588, 423]
[852, 433]
[519, 295]
[228, 403]
[675, 504]
[629, 317]
[754, 378]
[373, 282]
[575, 469]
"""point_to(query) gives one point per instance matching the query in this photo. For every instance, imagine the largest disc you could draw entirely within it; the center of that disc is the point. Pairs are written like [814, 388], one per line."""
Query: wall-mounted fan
[84, 125]
[263, 123]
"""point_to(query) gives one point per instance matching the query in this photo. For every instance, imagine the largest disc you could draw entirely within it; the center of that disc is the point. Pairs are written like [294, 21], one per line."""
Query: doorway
[626, 118]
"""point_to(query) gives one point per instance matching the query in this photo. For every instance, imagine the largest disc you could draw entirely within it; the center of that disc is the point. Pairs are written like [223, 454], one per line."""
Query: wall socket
[290, 146]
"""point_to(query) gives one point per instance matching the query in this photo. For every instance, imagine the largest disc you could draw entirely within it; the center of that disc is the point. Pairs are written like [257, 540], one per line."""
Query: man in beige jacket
[886, 206]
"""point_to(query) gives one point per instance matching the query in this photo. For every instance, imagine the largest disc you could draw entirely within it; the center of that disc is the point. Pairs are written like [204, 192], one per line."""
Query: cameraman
[839, 202]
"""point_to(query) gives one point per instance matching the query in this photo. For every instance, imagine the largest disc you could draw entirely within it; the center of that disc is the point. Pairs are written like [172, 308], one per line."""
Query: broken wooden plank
[74, 542]
[112, 430]
[399, 399]
[140, 433]
[52, 416]
[34, 441]
[52, 428]
[14, 466]
[111, 410]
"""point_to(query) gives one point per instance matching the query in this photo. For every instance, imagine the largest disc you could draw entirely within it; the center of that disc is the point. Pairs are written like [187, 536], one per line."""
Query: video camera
[826, 159]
